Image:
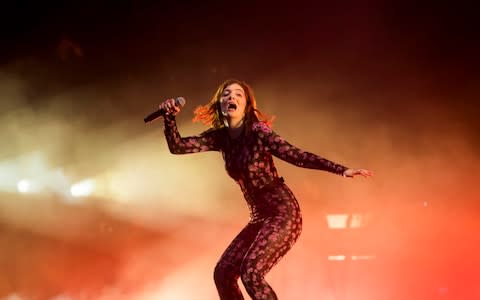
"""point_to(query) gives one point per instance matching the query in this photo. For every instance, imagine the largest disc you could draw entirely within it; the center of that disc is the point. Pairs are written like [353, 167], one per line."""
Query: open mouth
[232, 106]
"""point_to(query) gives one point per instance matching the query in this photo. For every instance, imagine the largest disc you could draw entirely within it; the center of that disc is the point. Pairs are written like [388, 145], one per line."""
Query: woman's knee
[249, 273]
[255, 284]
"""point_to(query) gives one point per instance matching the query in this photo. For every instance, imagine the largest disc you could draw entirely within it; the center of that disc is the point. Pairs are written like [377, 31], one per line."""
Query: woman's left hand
[354, 172]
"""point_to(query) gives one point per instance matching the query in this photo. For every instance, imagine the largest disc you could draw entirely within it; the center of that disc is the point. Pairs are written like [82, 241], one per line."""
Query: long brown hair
[210, 114]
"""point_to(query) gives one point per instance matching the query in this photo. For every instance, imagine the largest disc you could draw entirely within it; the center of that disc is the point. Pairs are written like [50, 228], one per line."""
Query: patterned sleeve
[280, 148]
[206, 141]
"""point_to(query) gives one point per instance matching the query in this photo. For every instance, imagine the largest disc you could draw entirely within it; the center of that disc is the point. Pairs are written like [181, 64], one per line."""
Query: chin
[235, 116]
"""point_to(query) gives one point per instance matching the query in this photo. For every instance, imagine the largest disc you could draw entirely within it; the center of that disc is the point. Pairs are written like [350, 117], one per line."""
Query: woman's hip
[277, 201]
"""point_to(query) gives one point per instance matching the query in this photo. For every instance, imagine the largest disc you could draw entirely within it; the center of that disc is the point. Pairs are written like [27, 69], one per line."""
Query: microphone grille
[180, 101]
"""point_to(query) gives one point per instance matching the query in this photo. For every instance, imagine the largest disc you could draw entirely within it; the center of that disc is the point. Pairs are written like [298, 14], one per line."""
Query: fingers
[362, 172]
[167, 104]
[365, 173]
[170, 106]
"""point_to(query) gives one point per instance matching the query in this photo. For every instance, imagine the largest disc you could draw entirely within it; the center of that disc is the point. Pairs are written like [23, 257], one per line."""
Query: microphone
[180, 101]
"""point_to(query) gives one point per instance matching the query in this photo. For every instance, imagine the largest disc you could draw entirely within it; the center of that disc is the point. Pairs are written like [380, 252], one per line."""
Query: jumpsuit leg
[227, 270]
[274, 239]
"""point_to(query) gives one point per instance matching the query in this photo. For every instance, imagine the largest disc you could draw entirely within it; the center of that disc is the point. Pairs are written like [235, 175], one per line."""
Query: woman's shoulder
[261, 127]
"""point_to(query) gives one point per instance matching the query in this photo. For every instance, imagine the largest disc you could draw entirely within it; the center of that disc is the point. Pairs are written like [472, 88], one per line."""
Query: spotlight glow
[24, 186]
[358, 220]
[363, 257]
[336, 257]
[343, 221]
[337, 221]
[83, 188]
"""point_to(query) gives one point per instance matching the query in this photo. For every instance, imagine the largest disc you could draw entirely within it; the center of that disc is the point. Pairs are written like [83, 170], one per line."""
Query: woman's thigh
[235, 252]
[276, 236]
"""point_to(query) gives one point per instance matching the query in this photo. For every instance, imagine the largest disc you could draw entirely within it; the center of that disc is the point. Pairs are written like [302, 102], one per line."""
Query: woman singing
[242, 134]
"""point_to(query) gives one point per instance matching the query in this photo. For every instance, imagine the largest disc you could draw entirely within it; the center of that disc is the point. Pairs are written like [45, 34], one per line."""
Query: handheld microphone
[180, 101]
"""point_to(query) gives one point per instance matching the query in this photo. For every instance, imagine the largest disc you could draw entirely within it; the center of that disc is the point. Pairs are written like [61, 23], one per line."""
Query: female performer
[244, 137]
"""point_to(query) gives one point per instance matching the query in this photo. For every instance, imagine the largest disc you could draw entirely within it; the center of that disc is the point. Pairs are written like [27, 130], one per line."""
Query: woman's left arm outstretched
[282, 149]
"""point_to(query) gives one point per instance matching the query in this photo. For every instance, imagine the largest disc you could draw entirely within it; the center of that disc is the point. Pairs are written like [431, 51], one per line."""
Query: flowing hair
[210, 114]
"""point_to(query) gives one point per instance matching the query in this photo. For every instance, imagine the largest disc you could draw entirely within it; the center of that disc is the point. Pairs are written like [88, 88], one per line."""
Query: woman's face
[233, 101]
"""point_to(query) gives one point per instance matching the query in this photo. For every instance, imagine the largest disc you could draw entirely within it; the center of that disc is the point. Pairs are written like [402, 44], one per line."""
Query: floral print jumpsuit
[275, 218]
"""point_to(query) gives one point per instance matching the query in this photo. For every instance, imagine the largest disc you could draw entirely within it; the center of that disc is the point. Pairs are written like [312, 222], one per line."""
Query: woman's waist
[273, 198]
[258, 187]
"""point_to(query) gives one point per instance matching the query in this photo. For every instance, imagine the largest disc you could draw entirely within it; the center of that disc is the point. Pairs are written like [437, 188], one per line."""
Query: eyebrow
[234, 90]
